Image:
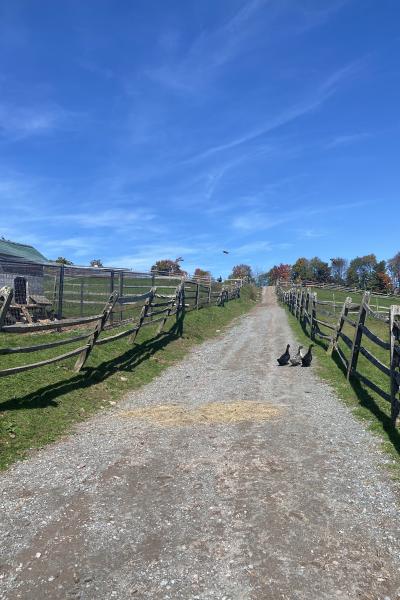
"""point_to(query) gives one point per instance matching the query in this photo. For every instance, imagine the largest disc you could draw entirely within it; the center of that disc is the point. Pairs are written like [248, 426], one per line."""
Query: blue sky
[138, 130]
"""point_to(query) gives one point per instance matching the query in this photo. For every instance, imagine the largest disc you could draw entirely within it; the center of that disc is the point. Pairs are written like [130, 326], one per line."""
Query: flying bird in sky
[225, 251]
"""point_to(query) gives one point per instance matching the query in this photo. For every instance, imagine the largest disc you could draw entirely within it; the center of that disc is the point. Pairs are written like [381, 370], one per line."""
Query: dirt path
[189, 502]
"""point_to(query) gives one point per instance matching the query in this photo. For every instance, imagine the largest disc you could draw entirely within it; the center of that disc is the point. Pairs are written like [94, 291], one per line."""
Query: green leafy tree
[338, 269]
[201, 273]
[168, 266]
[63, 261]
[394, 269]
[380, 280]
[319, 270]
[242, 272]
[361, 271]
[281, 272]
[301, 269]
[96, 262]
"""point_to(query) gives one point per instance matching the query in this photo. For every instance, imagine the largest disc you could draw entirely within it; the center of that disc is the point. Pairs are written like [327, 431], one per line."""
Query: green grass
[364, 403]
[95, 290]
[340, 296]
[39, 406]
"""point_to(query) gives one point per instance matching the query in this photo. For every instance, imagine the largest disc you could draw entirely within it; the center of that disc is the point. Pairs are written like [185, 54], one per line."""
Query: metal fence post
[60, 292]
[81, 298]
[121, 291]
[112, 284]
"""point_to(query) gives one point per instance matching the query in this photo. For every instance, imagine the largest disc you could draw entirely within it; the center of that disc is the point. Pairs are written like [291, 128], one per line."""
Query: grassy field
[37, 407]
[86, 295]
[339, 297]
[365, 403]
[378, 327]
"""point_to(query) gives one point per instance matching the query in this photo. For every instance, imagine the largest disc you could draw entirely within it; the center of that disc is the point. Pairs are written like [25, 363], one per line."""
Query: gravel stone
[300, 506]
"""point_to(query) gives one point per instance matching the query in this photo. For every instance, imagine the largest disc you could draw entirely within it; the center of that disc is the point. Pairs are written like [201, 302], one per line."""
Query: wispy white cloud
[253, 247]
[313, 101]
[347, 139]
[210, 51]
[78, 246]
[108, 218]
[148, 254]
[19, 122]
[310, 233]
[258, 221]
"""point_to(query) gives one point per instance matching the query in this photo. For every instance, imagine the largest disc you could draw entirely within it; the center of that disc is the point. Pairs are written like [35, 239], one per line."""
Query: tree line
[364, 272]
[173, 267]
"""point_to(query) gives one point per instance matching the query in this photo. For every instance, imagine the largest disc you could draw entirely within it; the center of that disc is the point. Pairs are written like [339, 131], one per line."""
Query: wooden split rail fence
[303, 303]
[156, 308]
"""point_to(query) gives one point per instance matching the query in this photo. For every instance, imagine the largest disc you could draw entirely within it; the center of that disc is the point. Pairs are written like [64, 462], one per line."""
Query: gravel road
[175, 495]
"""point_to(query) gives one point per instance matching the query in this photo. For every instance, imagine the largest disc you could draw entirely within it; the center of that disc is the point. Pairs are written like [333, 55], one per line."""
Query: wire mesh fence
[55, 291]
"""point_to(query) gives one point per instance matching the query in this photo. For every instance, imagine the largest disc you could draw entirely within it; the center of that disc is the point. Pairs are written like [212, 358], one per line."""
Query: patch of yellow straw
[173, 415]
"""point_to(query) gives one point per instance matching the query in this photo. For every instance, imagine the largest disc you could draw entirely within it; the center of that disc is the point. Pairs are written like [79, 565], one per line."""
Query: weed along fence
[366, 341]
[124, 314]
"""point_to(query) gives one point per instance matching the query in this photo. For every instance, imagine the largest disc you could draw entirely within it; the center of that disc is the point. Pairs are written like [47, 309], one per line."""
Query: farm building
[21, 268]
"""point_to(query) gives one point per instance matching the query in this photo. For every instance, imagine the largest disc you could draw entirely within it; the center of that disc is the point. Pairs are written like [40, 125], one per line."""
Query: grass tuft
[364, 403]
[39, 406]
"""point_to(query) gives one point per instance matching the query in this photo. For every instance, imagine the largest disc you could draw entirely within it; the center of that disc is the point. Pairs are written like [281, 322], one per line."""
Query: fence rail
[304, 305]
[154, 308]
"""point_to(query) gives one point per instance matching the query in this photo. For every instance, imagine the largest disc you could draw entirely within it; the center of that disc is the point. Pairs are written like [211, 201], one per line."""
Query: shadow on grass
[48, 395]
[366, 400]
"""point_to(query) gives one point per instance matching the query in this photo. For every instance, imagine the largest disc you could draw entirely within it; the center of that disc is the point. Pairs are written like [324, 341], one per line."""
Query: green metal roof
[21, 252]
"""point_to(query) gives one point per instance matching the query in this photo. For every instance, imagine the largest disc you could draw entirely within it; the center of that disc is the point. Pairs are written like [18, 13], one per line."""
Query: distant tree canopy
[301, 269]
[361, 271]
[63, 261]
[96, 262]
[364, 272]
[319, 270]
[241, 272]
[282, 272]
[339, 269]
[393, 265]
[201, 273]
[166, 265]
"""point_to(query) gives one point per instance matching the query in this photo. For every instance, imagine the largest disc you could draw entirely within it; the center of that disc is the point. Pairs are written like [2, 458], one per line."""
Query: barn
[21, 268]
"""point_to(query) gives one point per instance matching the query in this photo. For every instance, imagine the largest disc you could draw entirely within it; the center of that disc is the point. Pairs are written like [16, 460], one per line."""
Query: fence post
[339, 326]
[298, 300]
[112, 284]
[197, 295]
[7, 294]
[81, 298]
[175, 304]
[394, 325]
[182, 295]
[301, 305]
[60, 292]
[355, 349]
[143, 313]
[54, 293]
[209, 294]
[313, 314]
[307, 306]
[121, 291]
[82, 358]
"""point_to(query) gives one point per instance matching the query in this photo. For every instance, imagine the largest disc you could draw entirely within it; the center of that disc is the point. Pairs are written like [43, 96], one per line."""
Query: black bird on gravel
[307, 358]
[284, 359]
